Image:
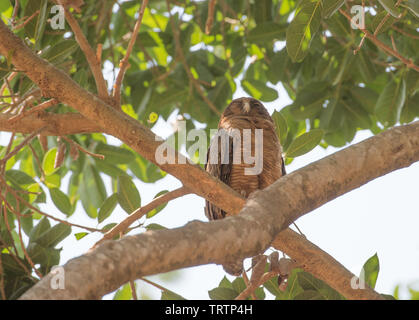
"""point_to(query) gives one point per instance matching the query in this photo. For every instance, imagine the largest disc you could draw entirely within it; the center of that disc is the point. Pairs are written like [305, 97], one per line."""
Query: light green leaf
[304, 143]
[113, 154]
[48, 162]
[303, 28]
[370, 270]
[128, 195]
[259, 90]
[160, 207]
[80, 235]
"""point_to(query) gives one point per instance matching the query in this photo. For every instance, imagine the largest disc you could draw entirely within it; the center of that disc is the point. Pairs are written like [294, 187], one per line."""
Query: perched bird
[228, 156]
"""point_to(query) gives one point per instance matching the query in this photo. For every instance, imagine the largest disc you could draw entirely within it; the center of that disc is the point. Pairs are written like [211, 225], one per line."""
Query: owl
[245, 154]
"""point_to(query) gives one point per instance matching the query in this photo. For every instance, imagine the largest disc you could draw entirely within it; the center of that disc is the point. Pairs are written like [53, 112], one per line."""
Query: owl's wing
[221, 171]
[283, 167]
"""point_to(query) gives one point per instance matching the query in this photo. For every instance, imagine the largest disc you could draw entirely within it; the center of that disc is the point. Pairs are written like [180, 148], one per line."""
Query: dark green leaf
[107, 207]
[303, 28]
[61, 201]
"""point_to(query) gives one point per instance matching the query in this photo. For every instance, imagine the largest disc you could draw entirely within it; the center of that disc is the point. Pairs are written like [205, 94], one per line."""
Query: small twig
[99, 156]
[378, 43]
[26, 21]
[405, 33]
[15, 11]
[27, 140]
[133, 290]
[39, 107]
[123, 65]
[89, 53]
[140, 212]
[252, 287]
[210, 19]
[154, 284]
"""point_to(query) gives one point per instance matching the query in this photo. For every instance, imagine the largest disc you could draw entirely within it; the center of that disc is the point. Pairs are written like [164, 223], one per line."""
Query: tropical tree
[77, 73]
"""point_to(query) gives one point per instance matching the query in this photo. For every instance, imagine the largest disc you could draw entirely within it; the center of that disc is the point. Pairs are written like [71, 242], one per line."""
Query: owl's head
[246, 107]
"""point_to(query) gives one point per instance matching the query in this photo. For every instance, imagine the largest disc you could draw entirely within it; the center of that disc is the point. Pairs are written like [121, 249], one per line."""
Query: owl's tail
[234, 269]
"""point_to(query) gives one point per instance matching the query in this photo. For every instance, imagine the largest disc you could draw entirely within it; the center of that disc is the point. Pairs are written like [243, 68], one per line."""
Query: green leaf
[42, 226]
[304, 143]
[154, 226]
[259, 90]
[170, 295]
[390, 8]
[390, 102]
[55, 235]
[107, 207]
[123, 293]
[48, 162]
[308, 282]
[266, 32]
[61, 201]
[80, 235]
[60, 51]
[19, 178]
[293, 287]
[114, 155]
[331, 6]
[128, 195]
[303, 28]
[160, 207]
[222, 293]
[281, 126]
[370, 271]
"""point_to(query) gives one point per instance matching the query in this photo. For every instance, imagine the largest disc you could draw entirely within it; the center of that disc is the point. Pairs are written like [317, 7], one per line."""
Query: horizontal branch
[55, 124]
[264, 215]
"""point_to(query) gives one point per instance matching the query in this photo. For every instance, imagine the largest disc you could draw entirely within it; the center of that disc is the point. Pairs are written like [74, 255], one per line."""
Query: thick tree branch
[264, 215]
[55, 124]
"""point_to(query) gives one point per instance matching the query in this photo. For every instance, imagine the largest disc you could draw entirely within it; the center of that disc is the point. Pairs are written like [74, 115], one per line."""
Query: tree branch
[55, 124]
[89, 53]
[265, 214]
[123, 66]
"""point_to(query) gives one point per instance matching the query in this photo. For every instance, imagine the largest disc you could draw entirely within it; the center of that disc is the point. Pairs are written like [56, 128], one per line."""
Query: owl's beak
[246, 106]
